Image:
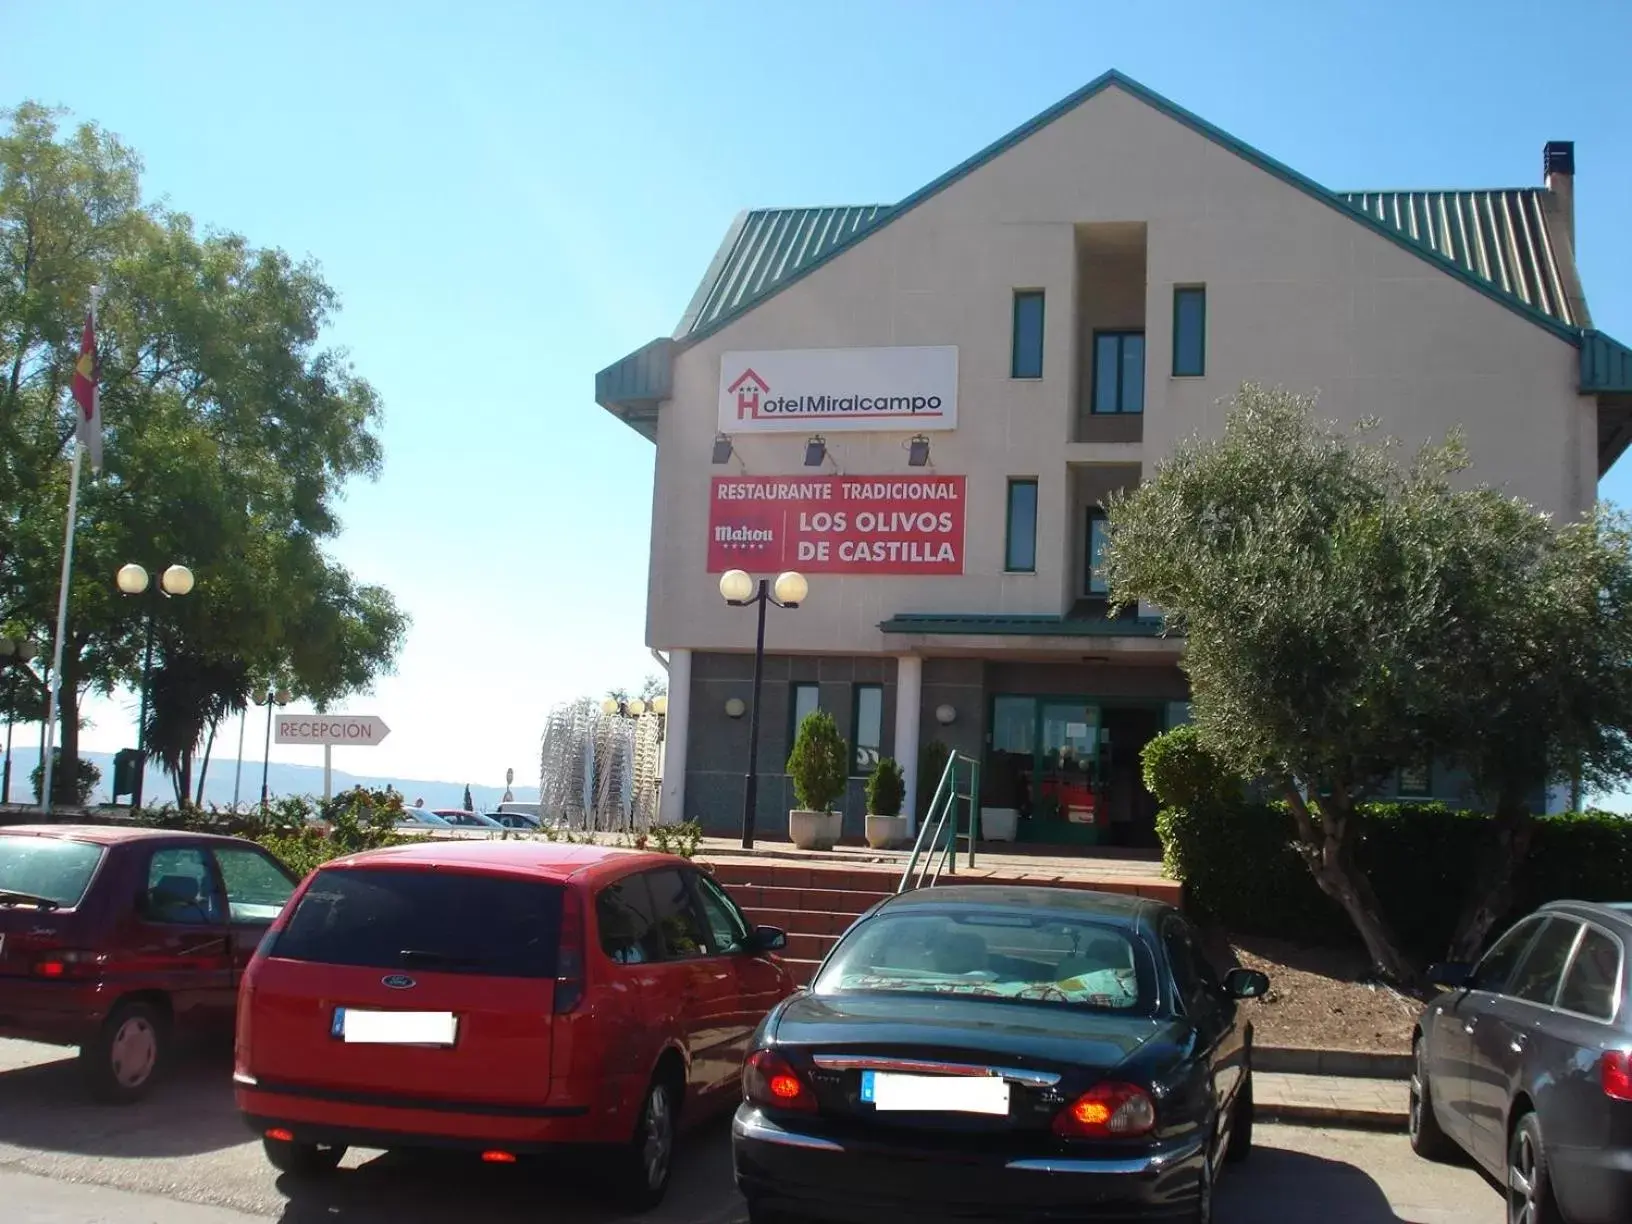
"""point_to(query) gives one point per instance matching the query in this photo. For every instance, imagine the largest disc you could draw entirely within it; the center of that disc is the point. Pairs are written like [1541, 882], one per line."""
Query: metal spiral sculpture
[599, 772]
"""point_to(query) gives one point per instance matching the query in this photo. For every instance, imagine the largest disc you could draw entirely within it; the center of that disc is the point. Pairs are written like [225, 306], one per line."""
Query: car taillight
[768, 1080]
[1615, 1071]
[1107, 1111]
[569, 954]
[65, 964]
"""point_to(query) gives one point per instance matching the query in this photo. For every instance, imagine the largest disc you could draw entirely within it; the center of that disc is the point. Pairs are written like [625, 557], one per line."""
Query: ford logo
[397, 981]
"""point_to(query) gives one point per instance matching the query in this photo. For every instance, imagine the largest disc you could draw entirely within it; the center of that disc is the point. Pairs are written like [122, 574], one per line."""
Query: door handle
[1517, 1043]
[1468, 1026]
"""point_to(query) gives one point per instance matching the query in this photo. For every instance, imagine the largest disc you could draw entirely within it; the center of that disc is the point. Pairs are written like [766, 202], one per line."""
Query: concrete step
[808, 900]
[802, 922]
[802, 970]
[809, 947]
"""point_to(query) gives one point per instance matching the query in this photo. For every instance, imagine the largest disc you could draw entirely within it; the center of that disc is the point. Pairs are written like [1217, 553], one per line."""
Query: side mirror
[1453, 975]
[1245, 983]
[768, 939]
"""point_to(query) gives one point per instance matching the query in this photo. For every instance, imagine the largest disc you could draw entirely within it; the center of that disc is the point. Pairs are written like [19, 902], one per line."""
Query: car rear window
[49, 869]
[1018, 957]
[437, 921]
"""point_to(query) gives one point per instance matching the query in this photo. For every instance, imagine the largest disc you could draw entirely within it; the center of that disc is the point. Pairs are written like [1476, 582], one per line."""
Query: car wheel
[302, 1159]
[1241, 1123]
[648, 1161]
[121, 1064]
[1427, 1139]
[1529, 1184]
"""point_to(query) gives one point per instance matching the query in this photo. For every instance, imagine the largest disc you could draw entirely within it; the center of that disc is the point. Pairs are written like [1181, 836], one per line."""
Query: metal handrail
[937, 840]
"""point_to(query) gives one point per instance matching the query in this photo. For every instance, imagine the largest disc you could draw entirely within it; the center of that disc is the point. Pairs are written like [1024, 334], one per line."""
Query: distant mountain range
[281, 779]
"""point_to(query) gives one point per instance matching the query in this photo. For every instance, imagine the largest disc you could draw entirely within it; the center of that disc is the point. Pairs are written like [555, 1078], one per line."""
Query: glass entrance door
[1068, 762]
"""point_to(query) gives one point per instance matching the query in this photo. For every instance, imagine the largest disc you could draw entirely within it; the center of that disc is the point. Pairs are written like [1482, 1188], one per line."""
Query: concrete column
[677, 725]
[909, 699]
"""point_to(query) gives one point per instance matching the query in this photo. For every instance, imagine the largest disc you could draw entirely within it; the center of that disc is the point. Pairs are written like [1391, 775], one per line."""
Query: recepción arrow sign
[355, 730]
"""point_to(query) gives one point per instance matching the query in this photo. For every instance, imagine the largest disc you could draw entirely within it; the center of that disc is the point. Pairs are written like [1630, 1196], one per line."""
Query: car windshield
[48, 870]
[999, 955]
[437, 921]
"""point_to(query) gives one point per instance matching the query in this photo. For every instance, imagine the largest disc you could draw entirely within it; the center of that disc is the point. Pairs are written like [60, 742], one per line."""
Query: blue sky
[509, 196]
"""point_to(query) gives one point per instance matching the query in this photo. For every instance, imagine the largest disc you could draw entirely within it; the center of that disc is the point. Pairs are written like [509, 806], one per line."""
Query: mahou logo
[744, 539]
[748, 388]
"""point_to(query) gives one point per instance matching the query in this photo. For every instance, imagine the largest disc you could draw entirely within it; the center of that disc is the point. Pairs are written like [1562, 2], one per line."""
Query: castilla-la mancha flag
[88, 394]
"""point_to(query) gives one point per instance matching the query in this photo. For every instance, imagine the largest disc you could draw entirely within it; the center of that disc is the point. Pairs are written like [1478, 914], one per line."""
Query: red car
[502, 997]
[121, 940]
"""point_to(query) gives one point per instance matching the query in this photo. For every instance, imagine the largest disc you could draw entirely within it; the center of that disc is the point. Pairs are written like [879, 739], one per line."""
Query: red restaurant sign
[837, 524]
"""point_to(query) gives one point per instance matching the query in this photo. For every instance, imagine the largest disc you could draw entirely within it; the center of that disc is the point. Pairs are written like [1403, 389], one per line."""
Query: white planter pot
[999, 824]
[886, 832]
[814, 830]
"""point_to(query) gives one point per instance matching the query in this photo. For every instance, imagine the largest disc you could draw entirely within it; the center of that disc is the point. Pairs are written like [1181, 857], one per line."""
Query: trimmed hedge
[1238, 867]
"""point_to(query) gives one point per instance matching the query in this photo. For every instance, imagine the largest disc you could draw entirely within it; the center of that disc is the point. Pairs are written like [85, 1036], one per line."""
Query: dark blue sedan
[1523, 1062]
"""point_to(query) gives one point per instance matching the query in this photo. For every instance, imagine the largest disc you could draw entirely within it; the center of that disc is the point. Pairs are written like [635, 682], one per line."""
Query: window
[1538, 974]
[256, 886]
[1415, 781]
[1020, 541]
[51, 869]
[1005, 959]
[1193, 977]
[1099, 537]
[806, 700]
[1189, 332]
[1027, 360]
[727, 928]
[682, 934]
[1497, 965]
[866, 728]
[1119, 372]
[181, 888]
[628, 927]
[441, 921]
[1591, 987]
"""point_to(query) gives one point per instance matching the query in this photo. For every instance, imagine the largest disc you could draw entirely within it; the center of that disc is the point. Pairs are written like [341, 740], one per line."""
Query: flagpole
[53, 707]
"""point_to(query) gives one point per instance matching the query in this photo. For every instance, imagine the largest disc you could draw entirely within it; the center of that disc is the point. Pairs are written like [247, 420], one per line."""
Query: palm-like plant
[187, 699]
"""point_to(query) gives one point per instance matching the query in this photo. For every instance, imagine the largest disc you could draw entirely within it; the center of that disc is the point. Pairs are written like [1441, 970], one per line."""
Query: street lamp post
[740, 591]
[132, 580]
[13, 653]
[269, 699]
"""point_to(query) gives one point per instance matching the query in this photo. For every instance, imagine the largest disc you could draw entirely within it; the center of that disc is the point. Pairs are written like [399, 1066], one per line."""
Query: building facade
[921, 407]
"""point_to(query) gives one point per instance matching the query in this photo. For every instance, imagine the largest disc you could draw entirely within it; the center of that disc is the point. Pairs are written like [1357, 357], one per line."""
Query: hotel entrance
[1066, 770]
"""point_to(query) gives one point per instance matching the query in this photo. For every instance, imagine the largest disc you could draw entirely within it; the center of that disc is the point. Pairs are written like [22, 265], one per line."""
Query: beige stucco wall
[1298, 295]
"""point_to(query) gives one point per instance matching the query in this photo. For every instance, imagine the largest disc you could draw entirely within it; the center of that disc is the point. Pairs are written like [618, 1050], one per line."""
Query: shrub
[1239, 868]
[932, 758]
[818, 764]
[75, 794]
[886, 788]
[681, 839]
[1180, 772]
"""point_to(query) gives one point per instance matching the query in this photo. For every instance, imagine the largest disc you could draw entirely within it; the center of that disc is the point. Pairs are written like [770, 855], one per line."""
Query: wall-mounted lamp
[945, 715]
[815, 451]
[918, 451]
[735, 707]
[722, 449]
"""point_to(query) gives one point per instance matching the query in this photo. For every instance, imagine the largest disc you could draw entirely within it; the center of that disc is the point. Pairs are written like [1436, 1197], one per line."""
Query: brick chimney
[1558, 167]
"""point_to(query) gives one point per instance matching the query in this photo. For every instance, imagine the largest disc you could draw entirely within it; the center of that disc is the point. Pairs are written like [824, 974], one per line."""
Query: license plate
[978, 1094]
[357, 1026]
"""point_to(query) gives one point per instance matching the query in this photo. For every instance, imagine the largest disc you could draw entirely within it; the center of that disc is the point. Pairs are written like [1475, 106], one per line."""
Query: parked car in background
[1523, 1062]
[126, 941]
[461, 819]
[421, 819]
[1000, 1053]
[504, 997]
[519, 821]
[519, 807]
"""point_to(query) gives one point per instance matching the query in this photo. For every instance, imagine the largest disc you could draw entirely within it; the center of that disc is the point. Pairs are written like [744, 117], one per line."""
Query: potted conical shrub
[819, 770]
[886, 791]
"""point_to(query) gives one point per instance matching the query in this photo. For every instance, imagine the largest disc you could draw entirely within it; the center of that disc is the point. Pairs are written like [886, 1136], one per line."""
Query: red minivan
[504, 997]
[122, 941]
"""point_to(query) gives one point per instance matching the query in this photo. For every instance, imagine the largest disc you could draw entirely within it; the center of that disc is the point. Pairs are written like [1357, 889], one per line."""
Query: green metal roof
[1011, 625]
[1606, 364]
[1499, 237]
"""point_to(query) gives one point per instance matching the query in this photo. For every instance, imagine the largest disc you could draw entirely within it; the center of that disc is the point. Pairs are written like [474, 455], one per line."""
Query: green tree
[229, 433]
[1348, 610]
[470, 804]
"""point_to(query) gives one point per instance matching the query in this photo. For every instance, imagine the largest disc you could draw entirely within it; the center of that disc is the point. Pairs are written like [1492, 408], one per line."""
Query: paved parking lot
[182, 1157]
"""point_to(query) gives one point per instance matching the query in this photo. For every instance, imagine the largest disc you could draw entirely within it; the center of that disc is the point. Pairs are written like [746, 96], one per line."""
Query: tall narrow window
[1020, 546]
[806, 700]
[866, 728]
[1189, 331]
[1099, 536]
[1119, 371]
[1027, 359]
